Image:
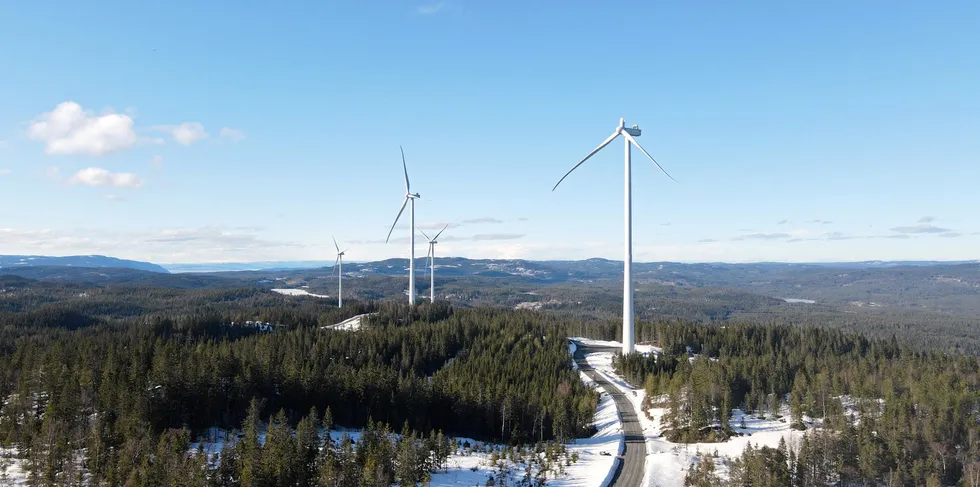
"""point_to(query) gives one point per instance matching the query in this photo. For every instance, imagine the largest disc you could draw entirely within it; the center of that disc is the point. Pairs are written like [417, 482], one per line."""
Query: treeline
[822, 458]
[899, 414]
[111, 392]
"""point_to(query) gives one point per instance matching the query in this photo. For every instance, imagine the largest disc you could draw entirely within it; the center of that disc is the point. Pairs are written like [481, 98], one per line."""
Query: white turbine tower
[628, 134]
[339, 265]
[432, 262]
[409, 197]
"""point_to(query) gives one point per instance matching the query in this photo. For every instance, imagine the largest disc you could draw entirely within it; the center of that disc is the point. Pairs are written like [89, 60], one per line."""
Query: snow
[15, 473]
[298, 292]
[471, 466]
[571, 352]
[593, 469]
[588, 342]
[350, 324]
[645, 349]
[798, 300]
[666, 462]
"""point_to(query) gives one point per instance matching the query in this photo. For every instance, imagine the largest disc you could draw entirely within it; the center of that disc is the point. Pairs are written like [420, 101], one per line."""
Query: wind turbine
[409, 197]
[628, 136]
[432, 262]
[339, 265]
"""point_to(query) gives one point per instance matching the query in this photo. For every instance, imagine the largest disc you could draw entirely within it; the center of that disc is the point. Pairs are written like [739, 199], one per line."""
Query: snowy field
[298, 292]
[799, 300]
[667, 463]
[350, 324]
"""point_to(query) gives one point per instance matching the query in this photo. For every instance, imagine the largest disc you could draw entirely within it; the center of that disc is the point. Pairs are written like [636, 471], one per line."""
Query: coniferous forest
[890, 414]
[121, 392]
[114, 391]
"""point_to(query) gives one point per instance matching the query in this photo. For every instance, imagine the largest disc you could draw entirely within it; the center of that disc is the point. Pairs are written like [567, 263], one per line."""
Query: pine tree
[249, 450]
[307, 447]
[702, 474]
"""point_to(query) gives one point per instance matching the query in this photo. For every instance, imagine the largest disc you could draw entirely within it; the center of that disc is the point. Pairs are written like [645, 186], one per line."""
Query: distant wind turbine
[432, 262]
[339, 265]
[628, 134]
[409, 197]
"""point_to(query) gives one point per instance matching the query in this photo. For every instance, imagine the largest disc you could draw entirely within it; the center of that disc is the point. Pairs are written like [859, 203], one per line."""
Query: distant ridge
[91, 261]
[248, 266]
[584, 268]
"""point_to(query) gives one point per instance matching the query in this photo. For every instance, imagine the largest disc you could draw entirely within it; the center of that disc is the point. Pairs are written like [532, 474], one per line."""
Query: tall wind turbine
[432, 262]
[628, 136]
[339, 265]
[409, 197]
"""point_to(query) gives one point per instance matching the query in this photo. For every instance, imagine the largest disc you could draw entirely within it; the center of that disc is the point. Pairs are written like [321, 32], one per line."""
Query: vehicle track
[629, 471]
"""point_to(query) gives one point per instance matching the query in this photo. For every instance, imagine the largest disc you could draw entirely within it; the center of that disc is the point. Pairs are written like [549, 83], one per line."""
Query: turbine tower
[432, 262]
[409, 197]
[339, 265]
[628, 136]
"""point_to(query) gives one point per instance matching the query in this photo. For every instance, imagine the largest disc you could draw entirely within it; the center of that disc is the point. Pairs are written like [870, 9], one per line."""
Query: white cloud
[927, 219]
[232, 134]
[497, 236]
[431, 8]
[197, 244]
[69, 129]
[921, 228]
[762, 236]
[187, 133]
[485, 219]
[94, 176]
[432, 225]
[4, 172]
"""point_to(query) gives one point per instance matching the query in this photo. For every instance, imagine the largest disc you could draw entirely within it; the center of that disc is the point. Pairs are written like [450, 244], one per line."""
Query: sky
[184, 131]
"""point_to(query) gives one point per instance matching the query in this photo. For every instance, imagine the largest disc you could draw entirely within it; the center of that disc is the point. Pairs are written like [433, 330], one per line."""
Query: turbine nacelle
[629, 134]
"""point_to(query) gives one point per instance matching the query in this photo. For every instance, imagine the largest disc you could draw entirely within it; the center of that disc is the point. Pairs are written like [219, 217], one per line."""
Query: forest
[119, 389]
[113, 386]
[889, 414]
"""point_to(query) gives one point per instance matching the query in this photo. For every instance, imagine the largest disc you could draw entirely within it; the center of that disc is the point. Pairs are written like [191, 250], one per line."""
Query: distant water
[798, 300]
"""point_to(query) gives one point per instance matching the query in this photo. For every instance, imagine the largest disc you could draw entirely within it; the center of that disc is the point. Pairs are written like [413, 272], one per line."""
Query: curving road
[629, 471]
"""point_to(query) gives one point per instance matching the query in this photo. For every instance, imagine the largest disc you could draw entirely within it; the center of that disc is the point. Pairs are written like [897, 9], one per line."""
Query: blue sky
[235, 131]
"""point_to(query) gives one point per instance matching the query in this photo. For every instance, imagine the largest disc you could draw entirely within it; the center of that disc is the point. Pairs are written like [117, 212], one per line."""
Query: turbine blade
[405, 167]
[424, 235]
[440, 232]
[404, 204]
[638, 146]
[597, 149]
[335, 243]
[345, 250]
[335, 268]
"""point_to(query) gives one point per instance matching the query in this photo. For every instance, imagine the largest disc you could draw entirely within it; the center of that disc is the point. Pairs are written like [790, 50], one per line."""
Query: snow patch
[298, 292]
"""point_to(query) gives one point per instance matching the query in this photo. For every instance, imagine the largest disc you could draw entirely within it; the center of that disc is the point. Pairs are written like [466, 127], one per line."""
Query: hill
[94, 261]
